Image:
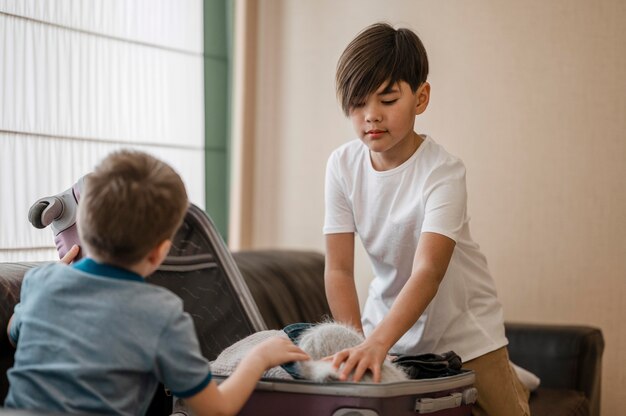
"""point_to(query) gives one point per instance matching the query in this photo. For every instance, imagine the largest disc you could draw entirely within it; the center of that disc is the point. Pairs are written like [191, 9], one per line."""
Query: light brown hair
[379, 54]
[129, 204]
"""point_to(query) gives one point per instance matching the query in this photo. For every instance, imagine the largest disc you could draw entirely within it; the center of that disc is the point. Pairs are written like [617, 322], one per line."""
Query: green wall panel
[217, 189]
[217, 39]
[215, 28]
[216, 103]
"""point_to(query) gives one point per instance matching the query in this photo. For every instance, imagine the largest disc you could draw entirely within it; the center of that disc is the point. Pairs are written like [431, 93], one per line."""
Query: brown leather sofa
[288, 287]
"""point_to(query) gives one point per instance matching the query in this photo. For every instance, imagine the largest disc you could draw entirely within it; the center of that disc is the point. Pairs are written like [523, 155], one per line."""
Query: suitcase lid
[200, 269]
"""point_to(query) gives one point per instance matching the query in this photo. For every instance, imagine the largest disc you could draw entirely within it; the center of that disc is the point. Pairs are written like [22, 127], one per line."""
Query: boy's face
[384, 121]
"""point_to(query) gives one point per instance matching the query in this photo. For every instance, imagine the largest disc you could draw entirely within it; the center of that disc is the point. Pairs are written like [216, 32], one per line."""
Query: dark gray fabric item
[430, 365]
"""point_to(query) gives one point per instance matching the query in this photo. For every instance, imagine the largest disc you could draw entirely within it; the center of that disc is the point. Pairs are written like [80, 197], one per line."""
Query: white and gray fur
[328, 338]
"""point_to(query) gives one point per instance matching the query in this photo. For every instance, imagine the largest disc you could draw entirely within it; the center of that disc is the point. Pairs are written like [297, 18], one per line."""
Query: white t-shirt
[389, 210]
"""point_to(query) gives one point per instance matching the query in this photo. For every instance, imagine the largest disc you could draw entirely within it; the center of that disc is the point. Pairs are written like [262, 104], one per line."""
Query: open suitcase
[201, 270]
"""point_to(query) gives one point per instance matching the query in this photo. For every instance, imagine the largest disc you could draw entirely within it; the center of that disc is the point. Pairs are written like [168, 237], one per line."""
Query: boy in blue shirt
[405, 196]
[94, 337]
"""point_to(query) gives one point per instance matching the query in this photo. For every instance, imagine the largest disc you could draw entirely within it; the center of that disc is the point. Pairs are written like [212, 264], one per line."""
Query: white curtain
[79, 79]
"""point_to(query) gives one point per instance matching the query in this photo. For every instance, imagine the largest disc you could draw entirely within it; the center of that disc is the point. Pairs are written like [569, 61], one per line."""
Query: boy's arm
[339, 279]
[67, 259]
[429, 267]
[230, 396]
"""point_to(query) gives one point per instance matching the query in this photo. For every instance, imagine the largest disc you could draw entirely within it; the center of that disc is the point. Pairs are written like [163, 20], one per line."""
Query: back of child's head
[130, 203]
[379, 54]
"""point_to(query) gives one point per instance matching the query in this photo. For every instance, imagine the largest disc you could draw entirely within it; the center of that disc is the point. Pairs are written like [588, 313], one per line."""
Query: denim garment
[294, 331]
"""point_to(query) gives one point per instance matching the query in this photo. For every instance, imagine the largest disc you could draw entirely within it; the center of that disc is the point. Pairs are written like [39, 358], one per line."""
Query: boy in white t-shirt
[406, 198]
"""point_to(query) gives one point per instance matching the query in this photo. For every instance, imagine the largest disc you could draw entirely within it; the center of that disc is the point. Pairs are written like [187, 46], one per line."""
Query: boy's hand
[276, 351]
[366, 356]
[230, 396]
[71, 254]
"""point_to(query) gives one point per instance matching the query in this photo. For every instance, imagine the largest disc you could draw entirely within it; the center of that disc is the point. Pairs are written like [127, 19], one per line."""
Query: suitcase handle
[430, 405]
[349, 411]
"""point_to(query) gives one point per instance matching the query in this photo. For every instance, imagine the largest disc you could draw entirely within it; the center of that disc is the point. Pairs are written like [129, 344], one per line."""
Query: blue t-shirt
[93, 338]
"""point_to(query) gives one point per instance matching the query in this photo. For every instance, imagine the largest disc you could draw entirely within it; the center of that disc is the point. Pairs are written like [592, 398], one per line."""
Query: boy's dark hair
[129, 204]
[379, 54]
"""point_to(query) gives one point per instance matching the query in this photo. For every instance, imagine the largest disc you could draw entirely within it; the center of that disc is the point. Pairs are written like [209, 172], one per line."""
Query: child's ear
[423, 97]
[158, 253]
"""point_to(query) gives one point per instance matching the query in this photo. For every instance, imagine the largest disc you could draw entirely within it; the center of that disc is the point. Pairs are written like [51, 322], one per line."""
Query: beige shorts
[500, 391]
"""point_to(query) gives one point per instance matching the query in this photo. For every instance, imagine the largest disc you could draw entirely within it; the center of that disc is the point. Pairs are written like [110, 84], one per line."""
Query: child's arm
[67, 259]
[339, 279]
[429, 267]
[230, 396]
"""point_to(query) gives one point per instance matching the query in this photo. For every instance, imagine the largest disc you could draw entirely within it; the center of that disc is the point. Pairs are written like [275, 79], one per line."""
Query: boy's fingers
[344, 374]
[300, 356]
[70, 255]
[339, 358]
[296, 352]
[346, 370]
[301, 353]
[376, 373]
[359, 371]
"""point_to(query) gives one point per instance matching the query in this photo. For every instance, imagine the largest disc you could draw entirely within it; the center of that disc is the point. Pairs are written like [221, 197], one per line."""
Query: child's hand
[366, 356]
[71, 254]
[278, 350]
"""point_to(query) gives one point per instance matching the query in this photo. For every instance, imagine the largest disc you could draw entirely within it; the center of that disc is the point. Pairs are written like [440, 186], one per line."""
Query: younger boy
[405, 196]
[95, 337]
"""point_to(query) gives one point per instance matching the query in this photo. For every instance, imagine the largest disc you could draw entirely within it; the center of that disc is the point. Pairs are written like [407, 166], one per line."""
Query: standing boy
[405, 196]
[94, 337]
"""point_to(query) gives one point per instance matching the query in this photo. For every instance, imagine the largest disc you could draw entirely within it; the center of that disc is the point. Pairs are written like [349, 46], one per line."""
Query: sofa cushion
[287, 285]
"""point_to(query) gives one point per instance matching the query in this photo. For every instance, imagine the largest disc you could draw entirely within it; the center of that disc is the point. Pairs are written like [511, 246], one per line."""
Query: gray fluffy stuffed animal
[329, 338]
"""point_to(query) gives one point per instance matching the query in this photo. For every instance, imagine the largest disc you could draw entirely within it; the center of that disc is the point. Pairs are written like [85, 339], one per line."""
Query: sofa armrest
[11, 275]
[563, 356]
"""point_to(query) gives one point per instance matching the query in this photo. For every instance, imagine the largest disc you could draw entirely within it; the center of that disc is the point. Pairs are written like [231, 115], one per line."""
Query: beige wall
[531, 95]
